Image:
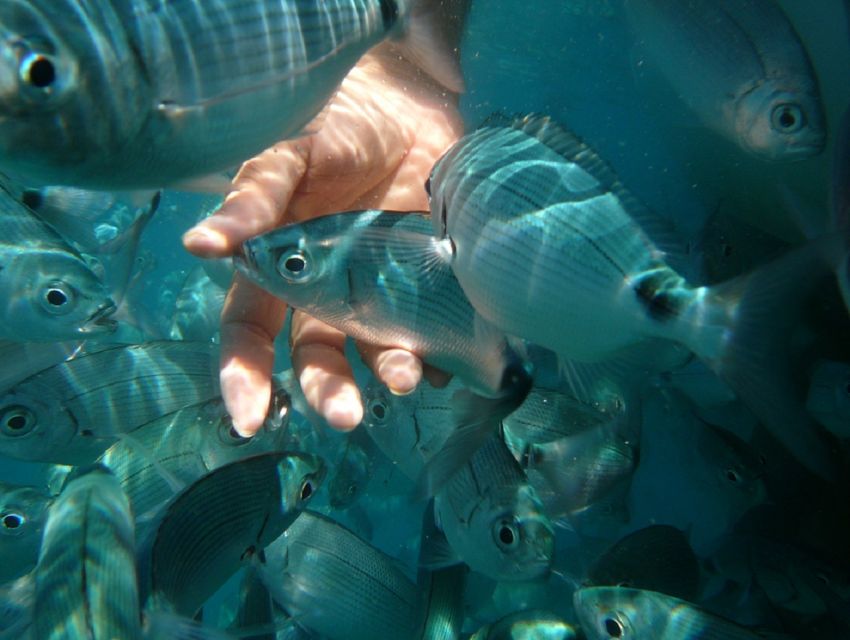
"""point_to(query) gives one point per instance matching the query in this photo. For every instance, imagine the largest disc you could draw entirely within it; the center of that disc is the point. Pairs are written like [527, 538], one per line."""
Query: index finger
[257, 202]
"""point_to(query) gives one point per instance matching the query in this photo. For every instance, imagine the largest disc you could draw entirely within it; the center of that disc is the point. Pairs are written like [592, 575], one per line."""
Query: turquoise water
[760, 525]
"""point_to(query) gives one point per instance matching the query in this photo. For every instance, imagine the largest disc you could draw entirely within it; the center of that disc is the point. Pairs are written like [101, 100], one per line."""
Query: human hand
[380, 136]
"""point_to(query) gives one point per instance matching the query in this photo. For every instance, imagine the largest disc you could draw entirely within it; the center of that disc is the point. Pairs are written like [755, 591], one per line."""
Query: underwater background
[730, 520]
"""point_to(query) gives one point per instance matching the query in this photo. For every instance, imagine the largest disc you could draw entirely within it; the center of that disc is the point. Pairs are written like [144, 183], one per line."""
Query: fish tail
[431, 31]
[749, 321]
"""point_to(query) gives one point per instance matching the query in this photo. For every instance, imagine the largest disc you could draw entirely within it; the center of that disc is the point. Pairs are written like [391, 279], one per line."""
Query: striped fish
[86, 575]
[71, 412]
[621, 612]
[549, 245]
[337, 586]
[143, 93]
[219, 522]
[48, 291]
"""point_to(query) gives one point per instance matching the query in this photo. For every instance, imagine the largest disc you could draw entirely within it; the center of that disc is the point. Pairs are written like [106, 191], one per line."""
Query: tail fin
[761, 309]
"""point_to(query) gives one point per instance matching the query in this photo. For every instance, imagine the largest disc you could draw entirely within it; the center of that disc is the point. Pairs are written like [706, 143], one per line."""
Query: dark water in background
[576, 61]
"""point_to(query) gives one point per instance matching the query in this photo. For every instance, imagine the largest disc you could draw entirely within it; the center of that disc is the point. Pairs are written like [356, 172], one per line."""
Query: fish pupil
[506, 535]
[732, 476]
[295, 264]
[32, 198]
[379, 411]
[306, 490]
[41, 73]
[787, 120]
[613, 628]
[16, 422]
[56, 297]
[12, 521]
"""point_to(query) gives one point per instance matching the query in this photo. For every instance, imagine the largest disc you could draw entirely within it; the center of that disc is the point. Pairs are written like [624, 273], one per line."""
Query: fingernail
[343, 414]
[202, 240]
[400, 370]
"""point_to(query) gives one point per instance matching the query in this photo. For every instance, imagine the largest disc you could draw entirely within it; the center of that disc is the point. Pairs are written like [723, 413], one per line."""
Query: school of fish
[645, 433]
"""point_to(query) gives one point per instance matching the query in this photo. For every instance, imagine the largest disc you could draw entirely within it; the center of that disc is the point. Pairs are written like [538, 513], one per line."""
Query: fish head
[302, 263]
[300, 475]
[23, 511]
[56, 65]
[350, 477]
[776, 123]
[52, 294]
[517, 542]
[34, 429]
[610, 612]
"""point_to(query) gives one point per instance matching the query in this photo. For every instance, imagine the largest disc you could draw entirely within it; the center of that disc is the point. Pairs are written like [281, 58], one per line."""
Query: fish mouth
[101, 321]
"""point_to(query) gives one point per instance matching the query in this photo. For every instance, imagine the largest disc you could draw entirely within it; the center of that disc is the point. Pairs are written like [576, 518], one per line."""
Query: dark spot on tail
[659, 304]
[389, 13]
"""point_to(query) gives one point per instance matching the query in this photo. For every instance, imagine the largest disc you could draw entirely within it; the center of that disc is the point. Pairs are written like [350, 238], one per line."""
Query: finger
[324, 373]
[399, 369]
[250, 320]
[257, 202]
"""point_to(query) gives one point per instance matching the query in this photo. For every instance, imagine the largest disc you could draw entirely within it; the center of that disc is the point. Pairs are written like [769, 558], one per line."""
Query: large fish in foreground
[548, 245]
[141, 93]
[48, 291]
[741, 67]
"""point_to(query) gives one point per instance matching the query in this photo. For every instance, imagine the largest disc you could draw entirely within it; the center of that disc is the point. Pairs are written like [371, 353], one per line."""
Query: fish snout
[101, 321]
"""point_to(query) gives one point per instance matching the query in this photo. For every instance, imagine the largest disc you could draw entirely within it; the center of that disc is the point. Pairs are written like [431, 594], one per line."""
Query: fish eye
[378, 409]
[613, 627]
[293, 264]
[733, 476]
[12, 521]
[506, 535]
[58, 298]
[307, 489]
[33, 198]
[17, 421]
[37, 70]
[787, 118]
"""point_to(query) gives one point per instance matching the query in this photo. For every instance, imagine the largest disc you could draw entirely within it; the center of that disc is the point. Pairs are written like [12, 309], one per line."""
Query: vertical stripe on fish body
[71, 412]
[338, 586]
[380, 277]
[549, 246]
[86, 575]
[23, 512]
[49, 292]
[546, 245]
[621, 612]
[163, 456]
[741, 67]
[134, 93]
[219, 522]
[493, 518]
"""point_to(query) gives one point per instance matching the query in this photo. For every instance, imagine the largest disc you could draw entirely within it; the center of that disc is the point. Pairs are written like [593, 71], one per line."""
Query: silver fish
[493, 519]
[621, 612]
[338, 586]
[86, 576]
[23, 511]
[245, 505]
[117, 94]
[550, 414]
[740, 65]
[829, 396]
[573, 473]
[409, 429]
[197, 308]
[531, 623]
[549, 246]
[351, 475]
[49, 292]
[375, 275]
[162, 457]
[71, 412]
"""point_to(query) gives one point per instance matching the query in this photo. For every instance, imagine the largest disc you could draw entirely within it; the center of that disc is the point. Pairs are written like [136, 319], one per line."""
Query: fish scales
[86, 574]
[310, 570]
